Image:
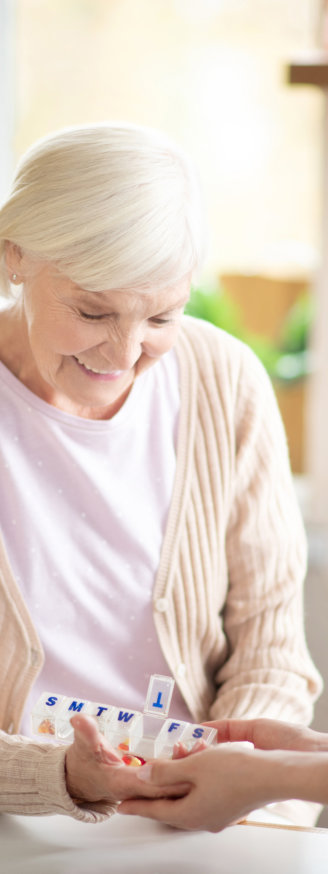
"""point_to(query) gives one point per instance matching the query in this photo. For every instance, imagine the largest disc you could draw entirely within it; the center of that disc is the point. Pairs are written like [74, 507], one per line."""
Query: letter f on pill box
[160, 691]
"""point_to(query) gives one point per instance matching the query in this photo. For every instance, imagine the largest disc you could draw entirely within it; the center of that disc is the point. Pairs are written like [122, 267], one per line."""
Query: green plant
[286, 360]
[295, 360]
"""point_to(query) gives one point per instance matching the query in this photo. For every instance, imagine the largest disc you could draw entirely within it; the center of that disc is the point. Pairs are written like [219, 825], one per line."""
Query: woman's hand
[269, 734]
[95, 772]
[225, 784]
[228, 782]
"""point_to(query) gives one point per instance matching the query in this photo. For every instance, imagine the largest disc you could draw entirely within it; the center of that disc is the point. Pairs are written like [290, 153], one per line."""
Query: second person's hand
[270, 734]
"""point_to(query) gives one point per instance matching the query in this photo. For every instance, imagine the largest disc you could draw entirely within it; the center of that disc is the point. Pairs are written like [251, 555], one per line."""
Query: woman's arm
[84, 780]
[32, 780]
[268, 671]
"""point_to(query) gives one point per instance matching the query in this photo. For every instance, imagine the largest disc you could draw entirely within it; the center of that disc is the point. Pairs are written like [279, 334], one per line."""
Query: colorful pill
[124, 745]
[133, 761]
[46, 727]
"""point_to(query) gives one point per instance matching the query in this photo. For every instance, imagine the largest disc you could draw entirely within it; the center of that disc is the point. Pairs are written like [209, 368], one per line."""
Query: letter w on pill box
[147, 734]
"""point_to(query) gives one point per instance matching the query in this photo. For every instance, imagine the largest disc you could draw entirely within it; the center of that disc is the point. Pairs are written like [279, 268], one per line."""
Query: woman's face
[84, 349]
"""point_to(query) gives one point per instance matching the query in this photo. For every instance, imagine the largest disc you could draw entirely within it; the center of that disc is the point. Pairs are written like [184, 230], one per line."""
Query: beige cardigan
[228, 593]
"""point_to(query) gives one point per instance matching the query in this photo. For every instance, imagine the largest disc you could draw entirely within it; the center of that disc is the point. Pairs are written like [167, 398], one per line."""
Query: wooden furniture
[311, 70]
[264, 302]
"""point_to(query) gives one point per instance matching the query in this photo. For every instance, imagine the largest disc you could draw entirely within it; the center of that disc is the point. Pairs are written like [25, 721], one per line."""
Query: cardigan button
[34, 657]
[161, 605]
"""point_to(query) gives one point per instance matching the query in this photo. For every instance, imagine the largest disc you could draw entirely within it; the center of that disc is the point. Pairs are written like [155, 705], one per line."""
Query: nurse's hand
[229, 781]
[95, 771]
[225, 784]
[269, 734]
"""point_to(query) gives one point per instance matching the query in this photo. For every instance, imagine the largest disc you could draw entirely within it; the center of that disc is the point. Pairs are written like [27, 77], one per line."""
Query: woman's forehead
[176, 294]
[172, 297]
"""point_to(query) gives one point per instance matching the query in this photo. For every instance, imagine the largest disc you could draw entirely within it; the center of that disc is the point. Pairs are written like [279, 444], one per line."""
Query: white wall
[7, 92]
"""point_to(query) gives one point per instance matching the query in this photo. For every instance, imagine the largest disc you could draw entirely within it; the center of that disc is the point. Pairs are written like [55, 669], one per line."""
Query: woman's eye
[162, 321]
[90, 316]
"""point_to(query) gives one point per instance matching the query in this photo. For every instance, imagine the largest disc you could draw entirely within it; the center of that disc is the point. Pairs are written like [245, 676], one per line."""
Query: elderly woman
[149, 522]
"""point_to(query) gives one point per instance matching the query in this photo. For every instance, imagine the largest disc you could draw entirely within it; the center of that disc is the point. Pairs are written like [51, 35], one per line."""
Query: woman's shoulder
[200, 331]
[226, 375]
[212, 346]
[223, 364]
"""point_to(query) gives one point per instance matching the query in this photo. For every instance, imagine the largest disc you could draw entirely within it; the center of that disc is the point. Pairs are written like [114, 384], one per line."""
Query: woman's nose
[124, 351]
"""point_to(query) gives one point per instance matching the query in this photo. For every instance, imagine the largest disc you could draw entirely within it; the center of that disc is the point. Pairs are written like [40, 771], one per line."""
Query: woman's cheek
[80, 337]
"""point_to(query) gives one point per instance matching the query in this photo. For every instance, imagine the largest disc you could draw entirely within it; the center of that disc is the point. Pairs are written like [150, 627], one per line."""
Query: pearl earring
[14, 277]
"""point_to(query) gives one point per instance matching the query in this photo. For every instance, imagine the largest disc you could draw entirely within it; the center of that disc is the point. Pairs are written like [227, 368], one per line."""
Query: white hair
[111, 205]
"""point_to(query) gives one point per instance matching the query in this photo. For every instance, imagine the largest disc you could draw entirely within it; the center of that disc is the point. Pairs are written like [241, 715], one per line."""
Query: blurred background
[242, 86]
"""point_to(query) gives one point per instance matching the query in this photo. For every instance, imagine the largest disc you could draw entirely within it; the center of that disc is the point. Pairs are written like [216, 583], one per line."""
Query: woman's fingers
[168, 775]
[180, 751]
[265, 734]
[225, 784]
[91, 743]
[93, 768]
[96, 772]
[160, 809]
[233, 730]
[85, 731]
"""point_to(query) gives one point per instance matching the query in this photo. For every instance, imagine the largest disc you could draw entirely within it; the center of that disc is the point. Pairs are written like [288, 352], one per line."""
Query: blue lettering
[198, 732]
[101, 710]
[174, 725]
[51, 701]
[75, 706]
[158, 702]
[125, 717]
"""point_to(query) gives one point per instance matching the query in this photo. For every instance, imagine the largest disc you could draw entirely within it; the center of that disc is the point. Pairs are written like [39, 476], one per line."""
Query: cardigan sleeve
[32, 782]
[268, 670]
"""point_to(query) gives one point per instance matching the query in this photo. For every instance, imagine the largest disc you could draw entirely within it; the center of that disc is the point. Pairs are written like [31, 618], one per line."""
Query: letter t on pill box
[160, 691]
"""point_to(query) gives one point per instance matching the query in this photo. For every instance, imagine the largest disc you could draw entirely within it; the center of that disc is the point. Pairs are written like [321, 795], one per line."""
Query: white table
[128, 845]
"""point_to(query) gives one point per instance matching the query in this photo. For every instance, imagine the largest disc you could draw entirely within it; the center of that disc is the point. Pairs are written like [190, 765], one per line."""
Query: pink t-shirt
[84, 505]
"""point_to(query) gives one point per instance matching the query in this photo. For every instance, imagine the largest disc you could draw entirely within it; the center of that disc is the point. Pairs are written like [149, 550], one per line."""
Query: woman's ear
[14, 262]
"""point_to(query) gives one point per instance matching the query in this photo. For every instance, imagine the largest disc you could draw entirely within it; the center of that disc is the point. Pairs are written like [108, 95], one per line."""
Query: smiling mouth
[113, 373]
